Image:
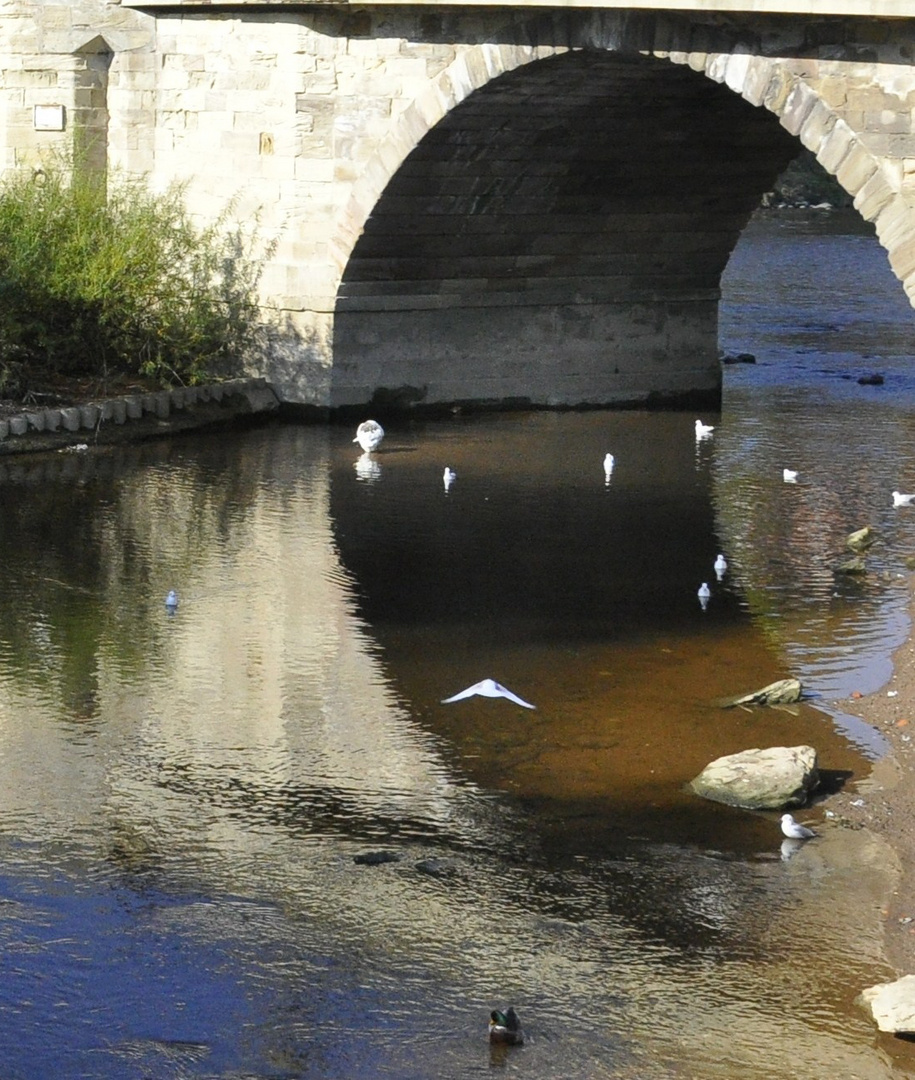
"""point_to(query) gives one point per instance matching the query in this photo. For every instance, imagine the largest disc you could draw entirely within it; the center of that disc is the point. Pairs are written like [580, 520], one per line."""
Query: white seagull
[704, 594]
[794, 830]
[789, 476]
[448, 477]
[721, 564]
[171, 601]
[489, 688]
[369, 435]
[608, 466]
[703, 430]
[902, 500]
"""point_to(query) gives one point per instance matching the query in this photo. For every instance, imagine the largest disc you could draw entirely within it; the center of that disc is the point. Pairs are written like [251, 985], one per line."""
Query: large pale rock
[892, 1005]
[760, 779]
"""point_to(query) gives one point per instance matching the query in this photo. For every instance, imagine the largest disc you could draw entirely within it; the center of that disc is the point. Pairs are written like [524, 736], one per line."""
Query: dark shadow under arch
[558, 239]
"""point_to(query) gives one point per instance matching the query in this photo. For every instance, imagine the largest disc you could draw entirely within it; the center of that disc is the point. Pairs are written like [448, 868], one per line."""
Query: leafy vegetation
[99, 284]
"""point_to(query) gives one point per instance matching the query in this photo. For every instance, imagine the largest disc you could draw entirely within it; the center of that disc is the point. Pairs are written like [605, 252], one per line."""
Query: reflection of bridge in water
[237, 755]
[489, 203]
[269, 655]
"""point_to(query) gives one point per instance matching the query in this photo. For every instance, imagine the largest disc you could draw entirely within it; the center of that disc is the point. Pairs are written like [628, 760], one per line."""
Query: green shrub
[96, 285]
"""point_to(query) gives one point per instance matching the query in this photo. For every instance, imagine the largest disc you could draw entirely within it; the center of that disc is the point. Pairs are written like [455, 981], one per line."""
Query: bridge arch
[530, 225]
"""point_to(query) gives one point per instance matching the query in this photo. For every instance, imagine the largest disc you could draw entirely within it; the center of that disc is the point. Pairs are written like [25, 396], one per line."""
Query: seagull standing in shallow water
[171, 601]
[794, 830]
[369, 435]
[789, 476]
[703, 430]
[448, 477]
[608, 467]
[902, 500]
[721, 565]
[704, 595]
[488, 688]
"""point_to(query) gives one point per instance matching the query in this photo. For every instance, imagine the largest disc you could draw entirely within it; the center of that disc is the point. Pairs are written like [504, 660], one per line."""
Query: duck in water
[505, 1027]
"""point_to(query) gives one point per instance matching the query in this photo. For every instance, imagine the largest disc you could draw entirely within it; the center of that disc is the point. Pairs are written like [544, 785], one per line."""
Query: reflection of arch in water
[199, 770]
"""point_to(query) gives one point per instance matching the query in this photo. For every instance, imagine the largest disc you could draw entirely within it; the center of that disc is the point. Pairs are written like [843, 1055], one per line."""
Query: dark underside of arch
[558, 240]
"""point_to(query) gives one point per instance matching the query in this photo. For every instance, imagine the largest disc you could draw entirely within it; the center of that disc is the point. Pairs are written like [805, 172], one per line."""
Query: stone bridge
[486, 203]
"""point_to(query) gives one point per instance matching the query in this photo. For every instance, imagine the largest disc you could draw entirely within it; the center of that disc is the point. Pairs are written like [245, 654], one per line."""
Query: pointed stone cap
[892, 1005]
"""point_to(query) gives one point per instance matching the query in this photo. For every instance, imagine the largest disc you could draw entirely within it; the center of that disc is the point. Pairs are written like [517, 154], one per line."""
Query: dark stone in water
[439, 868]
[376, 858]
[738, 358]
[874, 379]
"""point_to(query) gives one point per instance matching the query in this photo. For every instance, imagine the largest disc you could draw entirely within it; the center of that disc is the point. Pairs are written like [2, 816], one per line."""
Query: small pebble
[375, 858]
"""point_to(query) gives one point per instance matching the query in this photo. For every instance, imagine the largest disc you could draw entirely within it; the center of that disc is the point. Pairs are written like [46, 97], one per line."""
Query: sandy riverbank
[884, 802]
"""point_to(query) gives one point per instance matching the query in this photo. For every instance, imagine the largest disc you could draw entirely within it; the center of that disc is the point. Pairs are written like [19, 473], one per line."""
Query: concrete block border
[131, 417]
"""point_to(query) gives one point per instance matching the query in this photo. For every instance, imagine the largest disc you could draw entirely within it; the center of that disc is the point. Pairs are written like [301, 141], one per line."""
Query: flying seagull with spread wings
[489, 688]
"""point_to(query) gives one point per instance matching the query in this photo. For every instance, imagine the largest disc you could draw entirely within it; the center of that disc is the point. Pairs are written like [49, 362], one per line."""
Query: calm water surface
[183, 796]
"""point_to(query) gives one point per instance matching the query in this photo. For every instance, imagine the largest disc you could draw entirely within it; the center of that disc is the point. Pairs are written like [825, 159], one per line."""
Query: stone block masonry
[134, 417]
[490, 203]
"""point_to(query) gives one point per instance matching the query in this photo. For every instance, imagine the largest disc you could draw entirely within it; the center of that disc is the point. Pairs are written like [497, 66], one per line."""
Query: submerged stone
[376, 858]
[783, 692]
[757, 779]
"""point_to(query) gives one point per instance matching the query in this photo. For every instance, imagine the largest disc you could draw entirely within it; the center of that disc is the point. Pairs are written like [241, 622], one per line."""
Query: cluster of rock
[857, 542]
[785, 776]
[758, 779]
[141, 414]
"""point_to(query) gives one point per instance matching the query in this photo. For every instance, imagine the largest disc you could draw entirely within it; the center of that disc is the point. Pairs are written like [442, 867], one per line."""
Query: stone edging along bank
[134, 416]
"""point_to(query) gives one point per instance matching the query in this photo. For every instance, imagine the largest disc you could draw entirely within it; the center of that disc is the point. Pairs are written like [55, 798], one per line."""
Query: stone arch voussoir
[769, 83]
[468, 72]
[765, 82]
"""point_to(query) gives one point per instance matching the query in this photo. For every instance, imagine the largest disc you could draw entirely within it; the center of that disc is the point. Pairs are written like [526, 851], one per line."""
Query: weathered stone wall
[477, 203]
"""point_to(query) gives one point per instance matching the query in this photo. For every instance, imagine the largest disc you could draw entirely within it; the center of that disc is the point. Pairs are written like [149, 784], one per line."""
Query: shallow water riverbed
[183, 795]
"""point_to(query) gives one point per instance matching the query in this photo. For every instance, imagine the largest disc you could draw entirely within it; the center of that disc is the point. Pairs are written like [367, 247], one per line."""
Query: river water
[184, 796]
